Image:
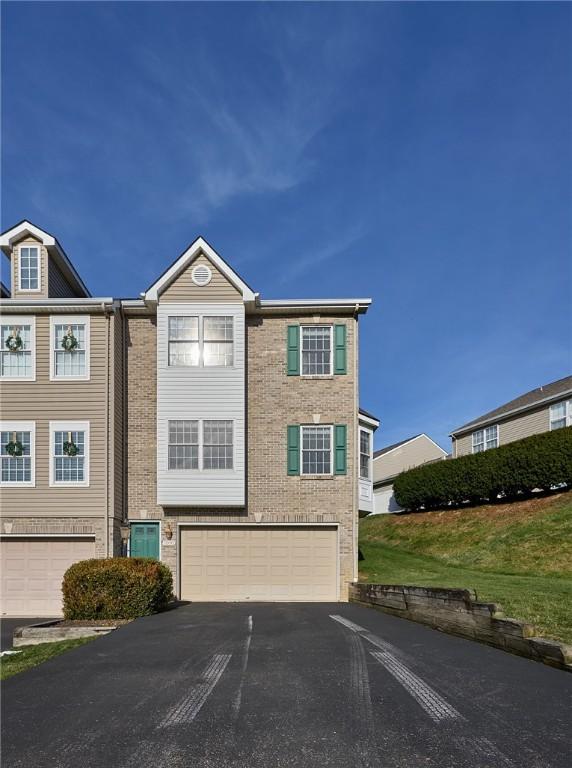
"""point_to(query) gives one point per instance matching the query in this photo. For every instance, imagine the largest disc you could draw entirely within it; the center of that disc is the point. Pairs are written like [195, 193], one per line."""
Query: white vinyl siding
[29, 268]
[204, 394]
[20, 365]
[561, 415]
[486, 438]
[316, 350]
[316, 447]
[18, 471]
[72, 365]
[66, 470]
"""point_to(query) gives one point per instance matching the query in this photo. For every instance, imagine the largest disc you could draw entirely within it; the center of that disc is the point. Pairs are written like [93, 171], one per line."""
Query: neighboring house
[540, 410]
[216, 431]
[390, 461]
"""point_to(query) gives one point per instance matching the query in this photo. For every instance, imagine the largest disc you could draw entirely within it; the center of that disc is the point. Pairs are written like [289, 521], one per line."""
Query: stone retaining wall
[458, 612]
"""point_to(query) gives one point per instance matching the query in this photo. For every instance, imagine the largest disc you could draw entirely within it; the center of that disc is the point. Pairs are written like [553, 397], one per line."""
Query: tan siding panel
[43, 401]
[516, 428]
[412, 454]
[182, 289]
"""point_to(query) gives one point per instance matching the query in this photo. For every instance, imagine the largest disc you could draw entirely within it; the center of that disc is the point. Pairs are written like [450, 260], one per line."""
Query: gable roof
[393, 446]
[11, 236]
[197, 247]
[522, 403]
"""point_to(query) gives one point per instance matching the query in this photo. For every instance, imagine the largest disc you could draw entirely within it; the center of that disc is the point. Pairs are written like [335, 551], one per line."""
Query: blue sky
[419, 154]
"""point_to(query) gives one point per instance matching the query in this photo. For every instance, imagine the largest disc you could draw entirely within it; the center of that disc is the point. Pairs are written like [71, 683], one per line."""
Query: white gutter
[346, 303]
[56, 302]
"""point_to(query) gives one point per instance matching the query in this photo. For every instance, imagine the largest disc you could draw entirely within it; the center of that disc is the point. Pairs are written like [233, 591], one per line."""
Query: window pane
[218, 341]
[364, 447]
[183, 449]
[316, 450]
[218, 353]
[16, 469]
[183, 329]
[316, 350]
[184, 341]
[29, 268]
[69, 469]
[217, 445]
[70, 363]
[17, 363]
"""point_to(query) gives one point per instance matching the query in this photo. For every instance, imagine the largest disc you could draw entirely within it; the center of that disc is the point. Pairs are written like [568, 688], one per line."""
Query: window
[29, 271]
[183, 341]
[483, 439]
[561, 414]
[17, 453]
[69, 453]
[70, 348]
[186, 449]
[316, 450]
[364, 453]
[218, 333]
[217, 444]
[183, 445]
[18, 349]
[316, 350]
[205, 342]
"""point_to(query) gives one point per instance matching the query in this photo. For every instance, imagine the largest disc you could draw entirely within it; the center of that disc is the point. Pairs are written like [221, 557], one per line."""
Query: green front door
[144, 540]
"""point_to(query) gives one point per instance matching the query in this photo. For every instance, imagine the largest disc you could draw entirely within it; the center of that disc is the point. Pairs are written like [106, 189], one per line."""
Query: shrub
[539, 462]
[116, 588]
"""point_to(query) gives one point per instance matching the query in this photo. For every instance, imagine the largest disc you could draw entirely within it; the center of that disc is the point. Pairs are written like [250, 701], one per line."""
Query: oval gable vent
[201, 275]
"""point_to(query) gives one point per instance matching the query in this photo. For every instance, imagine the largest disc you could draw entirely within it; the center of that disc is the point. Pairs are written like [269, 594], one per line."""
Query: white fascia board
[199, 245]
[315, 303]
[367, 420]
[503, 416]
[56, 302]
[49, 241]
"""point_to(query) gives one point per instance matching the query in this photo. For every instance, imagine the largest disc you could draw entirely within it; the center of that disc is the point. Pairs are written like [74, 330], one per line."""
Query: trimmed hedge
[116, 588]
[538, 462]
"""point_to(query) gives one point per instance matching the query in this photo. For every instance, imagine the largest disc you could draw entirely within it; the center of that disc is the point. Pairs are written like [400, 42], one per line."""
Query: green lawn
[518, 555]
[31, 655]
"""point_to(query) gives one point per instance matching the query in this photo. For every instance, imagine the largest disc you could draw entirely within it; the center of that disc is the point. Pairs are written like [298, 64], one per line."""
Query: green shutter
[294, 450]
[340, 450]
[293, 350]
[340, 355]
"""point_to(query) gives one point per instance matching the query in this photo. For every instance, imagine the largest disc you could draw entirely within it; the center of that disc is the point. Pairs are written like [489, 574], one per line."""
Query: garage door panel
[259, 563]
[32, 572]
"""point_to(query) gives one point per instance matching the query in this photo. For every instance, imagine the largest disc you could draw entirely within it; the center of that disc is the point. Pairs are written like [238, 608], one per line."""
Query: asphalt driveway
[276, 685]
[7, 627]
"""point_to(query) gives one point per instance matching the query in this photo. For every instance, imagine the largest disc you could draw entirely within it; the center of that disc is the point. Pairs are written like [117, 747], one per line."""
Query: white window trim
[200, 470]
[70, 426]
[39, 249]
[69, 320]
[300, 363]
[484, 431]
[567, 414]
[23, 320]
[361, 429]
[332, 457]
[201, 340]
[22, 426]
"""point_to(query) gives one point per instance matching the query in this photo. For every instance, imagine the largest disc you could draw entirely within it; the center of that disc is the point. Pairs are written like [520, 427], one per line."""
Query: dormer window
[29, 268]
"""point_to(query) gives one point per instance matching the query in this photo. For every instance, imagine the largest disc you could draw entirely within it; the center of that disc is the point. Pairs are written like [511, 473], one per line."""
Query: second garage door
[32, 573]
[259, 563]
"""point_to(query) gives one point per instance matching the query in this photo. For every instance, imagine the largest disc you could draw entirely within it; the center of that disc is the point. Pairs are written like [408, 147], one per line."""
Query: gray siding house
[540, 410]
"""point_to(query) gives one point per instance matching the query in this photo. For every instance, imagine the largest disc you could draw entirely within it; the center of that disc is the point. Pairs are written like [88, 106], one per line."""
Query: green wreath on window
[14, 342]
[70, 448]
[69, 342]
[14, 448]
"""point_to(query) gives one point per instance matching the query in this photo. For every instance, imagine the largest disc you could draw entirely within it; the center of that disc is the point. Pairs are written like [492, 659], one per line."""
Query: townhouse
[199, 424]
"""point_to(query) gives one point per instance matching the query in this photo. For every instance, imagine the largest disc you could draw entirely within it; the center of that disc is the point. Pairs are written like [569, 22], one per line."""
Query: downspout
[356, 445]
[107, 425]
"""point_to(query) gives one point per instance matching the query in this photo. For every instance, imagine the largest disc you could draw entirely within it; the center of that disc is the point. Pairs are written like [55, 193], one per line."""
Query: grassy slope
[519, 555]
[31, 655]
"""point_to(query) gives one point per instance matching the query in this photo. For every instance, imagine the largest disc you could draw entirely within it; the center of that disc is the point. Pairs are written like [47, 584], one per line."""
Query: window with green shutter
[340, 449]
[340, 354]
[293, 441]
[293, 350]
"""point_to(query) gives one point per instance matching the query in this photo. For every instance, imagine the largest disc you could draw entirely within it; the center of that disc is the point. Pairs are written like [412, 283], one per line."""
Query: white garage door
[32, 571]
[259, 563]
